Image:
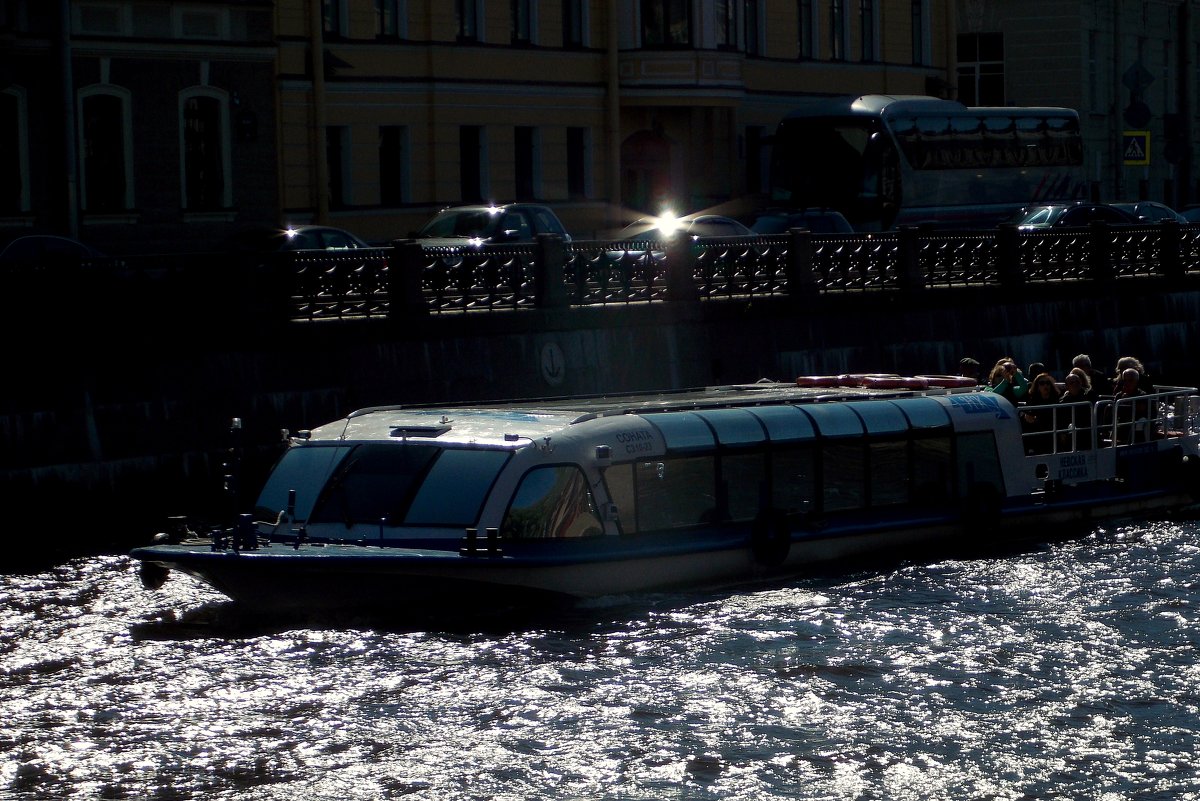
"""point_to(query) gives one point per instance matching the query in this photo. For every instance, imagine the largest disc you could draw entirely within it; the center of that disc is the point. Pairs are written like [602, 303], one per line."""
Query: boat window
[785, 423]
[835, 420]
[890, 473]
[793, 480]
[304, 469]
[375, 483]
[843, 476]
[619, 480]
[743, 477]
[456, 487]
[924, 412]
[979, 464]
[674, 493]
[734, 427]
[552, 502]
[683, 431]
[933, 479]
[880, 417]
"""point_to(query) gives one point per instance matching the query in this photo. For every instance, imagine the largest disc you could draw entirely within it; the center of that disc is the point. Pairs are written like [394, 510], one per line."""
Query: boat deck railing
[1166, 413]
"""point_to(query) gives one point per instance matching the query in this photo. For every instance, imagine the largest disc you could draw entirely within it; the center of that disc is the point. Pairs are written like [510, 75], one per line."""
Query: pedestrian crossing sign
[1135, 145]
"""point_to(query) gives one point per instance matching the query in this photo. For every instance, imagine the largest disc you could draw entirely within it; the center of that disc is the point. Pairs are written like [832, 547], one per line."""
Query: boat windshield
[408, 484]
[305, 470]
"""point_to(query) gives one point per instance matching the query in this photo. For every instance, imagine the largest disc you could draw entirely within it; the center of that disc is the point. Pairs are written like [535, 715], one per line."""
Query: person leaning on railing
[1038, 415]
[1078, 391]
[1007, 379]
[1132, 413]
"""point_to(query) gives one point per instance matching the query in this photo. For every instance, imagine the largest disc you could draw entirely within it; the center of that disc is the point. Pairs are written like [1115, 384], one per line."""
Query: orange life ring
[817, 381]
[884, 382]
[949, 381]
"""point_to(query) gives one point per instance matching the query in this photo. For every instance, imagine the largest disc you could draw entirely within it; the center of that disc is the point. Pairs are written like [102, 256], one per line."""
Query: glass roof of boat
[685, 432]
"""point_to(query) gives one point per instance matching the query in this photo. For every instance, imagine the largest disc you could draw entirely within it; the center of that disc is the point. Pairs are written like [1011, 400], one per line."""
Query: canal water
[1067, 671]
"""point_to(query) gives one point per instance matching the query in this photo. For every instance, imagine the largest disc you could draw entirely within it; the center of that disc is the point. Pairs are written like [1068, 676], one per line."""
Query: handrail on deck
[1165, 413]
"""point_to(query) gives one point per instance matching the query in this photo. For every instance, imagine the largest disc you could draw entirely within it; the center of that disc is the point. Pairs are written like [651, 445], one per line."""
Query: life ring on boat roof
[817, 381]
[771, 539]
[948, 381]
[892, 382]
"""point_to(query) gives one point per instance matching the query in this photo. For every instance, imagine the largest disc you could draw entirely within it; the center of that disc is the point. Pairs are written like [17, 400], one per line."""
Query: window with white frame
[390, 19]
[666, 23]
[333, 17]
[919, 16]
[106, 152]
[14, 151]
[467, 17]
[750, 22]
[393, 165]
[337, 157]
[200, 22]
[527, 162]
[574, 23]
[472, 161]
[806, 28]
[204, 147]
[726, 19]
[981, 69]
[868, 13]
[837, 30]
[523, 22]
[579, 162]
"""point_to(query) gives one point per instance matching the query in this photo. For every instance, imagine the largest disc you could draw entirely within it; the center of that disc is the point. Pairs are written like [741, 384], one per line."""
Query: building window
[105, 166]
[393, 165]
[1093, 69]
[727, 27]
[754, 160]
[205, 148]
[200, 23]
[806, 27]
[337, 156]
[526, 162]
[466, 13]
[388, 19]
[331, 17]
[14, 181]
[837, 31]
[102, 19]
[578, 163]
[750, 20]
[981, 69]
[666, 23]
[521, 23]
[866, 21]
[919, 31]
[471, 162]
[574, 25]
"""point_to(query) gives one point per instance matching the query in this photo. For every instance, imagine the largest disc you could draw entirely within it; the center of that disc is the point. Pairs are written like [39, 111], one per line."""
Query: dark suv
[460, 226]
[1071, 215]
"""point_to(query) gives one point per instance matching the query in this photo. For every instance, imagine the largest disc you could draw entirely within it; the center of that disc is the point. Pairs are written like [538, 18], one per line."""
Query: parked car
[459, 226]
[45, 250]
[268, 239]
[697, 226]
[819, 221]
[1151, 212]
[1191, 213]
[1068, 215]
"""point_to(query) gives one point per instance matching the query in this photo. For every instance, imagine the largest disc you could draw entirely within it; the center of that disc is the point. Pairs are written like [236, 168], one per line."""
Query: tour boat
[404, 508]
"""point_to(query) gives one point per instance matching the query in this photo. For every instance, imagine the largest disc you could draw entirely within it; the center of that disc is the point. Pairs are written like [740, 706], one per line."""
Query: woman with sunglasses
[1039, 423]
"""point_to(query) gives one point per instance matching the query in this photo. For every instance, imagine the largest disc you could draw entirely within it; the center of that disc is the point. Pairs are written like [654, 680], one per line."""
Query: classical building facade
[154, 125]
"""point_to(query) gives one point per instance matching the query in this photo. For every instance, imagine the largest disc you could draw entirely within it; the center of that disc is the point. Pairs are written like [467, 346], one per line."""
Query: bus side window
[552, 502]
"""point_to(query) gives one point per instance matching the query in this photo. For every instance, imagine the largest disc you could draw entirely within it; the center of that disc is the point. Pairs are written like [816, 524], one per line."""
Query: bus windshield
[884, 162]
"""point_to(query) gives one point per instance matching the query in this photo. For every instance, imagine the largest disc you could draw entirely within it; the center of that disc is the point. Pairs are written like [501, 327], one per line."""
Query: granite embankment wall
[108, 428]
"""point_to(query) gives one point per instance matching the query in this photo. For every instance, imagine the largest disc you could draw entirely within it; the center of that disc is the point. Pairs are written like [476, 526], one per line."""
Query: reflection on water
[1070, 671]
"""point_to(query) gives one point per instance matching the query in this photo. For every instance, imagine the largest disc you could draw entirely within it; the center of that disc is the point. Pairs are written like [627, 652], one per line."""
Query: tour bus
[884, 161]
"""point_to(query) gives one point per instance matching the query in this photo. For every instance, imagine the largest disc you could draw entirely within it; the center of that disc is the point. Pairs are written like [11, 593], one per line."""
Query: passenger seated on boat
[1131, 362]
[1095, 379]
[1133, 416]
[1077, 417]
[969, 368]
[1038, 415]
[1006, 379]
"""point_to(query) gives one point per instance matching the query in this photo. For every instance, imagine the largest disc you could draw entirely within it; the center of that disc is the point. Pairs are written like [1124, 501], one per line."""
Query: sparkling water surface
[1068, 671]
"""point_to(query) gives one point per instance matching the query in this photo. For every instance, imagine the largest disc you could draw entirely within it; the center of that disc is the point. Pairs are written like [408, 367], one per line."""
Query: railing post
[680, 263]
[1168, 247]
[1099, 254]
[1009, 270]
[549, 283]
[406, 263]
[910, 279]
[798, 271]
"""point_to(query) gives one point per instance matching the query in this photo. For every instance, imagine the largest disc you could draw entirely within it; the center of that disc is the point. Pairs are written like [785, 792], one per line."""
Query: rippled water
[1066, 672]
